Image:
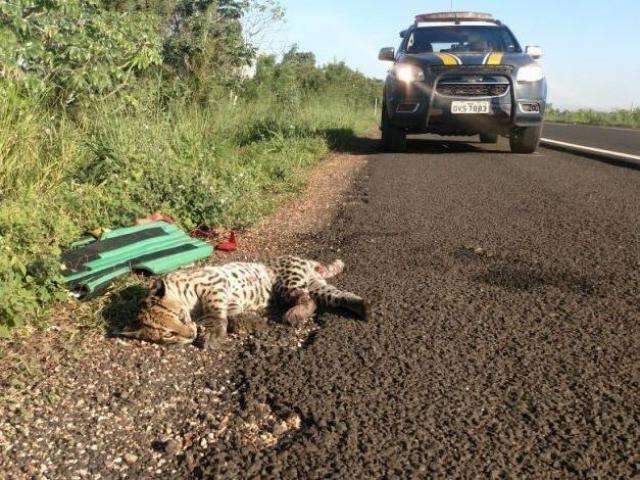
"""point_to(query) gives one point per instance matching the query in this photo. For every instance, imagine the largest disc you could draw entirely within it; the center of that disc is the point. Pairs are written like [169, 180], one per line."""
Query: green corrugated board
[157, 248]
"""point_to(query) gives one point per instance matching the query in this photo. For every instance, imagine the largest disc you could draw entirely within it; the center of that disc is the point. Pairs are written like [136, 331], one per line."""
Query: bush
[30, 234]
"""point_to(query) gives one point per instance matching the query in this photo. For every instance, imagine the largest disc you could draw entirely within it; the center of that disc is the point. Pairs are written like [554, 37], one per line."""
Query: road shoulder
[75, 403]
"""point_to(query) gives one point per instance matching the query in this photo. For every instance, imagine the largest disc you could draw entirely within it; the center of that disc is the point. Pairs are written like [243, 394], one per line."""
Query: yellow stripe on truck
[448, 59]
[495, 58]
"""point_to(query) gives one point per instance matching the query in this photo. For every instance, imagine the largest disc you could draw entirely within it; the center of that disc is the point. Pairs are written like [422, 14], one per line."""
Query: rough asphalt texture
[504, 341]
[625, 140]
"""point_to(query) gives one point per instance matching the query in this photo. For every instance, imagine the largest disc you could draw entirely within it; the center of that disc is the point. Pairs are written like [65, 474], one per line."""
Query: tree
[81, 49]
[72, 48]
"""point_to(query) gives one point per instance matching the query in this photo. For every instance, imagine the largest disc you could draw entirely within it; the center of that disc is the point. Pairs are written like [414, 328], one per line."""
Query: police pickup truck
[463, 73]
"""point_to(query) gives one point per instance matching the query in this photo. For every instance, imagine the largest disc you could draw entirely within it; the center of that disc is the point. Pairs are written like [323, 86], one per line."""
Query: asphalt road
[504, 340]
[623, 140]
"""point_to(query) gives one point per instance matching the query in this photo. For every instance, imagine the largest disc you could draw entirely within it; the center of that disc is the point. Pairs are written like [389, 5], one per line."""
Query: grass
[105, 165]
[617, 118]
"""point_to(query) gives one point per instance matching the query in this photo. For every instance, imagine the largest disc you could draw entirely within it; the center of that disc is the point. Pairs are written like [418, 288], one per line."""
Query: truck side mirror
[533, 51]
[387, 54]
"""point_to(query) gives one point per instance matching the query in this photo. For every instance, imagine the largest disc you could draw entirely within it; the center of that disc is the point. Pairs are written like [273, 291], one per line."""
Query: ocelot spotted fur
[194, 306]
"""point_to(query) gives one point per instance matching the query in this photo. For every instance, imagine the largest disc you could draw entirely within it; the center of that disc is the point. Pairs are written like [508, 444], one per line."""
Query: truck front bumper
[419, 108]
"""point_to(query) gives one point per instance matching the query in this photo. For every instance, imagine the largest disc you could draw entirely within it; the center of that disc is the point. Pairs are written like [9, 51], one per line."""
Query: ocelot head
[163, 319]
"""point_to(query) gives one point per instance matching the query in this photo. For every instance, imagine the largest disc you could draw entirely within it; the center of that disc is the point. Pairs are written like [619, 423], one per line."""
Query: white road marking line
[599, 151]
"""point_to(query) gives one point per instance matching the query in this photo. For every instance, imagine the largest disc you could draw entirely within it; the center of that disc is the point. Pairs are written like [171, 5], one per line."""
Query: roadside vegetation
[110, 110]
[617, 118]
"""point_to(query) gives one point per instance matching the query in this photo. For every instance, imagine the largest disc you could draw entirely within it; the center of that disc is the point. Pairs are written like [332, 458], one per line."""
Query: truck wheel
[525, 139]
[394, 139]
[488, 138]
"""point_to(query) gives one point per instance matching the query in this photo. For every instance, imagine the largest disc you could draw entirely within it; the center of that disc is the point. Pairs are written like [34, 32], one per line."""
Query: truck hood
[496, 58]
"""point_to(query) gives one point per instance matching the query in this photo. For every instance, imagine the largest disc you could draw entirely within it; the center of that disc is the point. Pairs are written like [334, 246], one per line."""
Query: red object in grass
[230, 245]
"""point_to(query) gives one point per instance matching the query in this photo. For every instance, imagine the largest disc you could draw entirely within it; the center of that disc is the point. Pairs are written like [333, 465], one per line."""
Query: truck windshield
[461, 39]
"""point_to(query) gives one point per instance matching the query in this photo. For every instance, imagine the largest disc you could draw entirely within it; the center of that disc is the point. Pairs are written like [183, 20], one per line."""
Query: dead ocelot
[194, 306]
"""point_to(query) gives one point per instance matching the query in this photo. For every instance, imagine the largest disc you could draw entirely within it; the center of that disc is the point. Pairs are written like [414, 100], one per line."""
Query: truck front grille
[504, 70]
[472, 89]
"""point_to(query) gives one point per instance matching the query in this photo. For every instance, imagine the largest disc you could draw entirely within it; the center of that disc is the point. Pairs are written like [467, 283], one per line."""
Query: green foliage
[79, 51]
[296, 78]
[205, 44]
[617, 118]
[30, 233]
[70, 48]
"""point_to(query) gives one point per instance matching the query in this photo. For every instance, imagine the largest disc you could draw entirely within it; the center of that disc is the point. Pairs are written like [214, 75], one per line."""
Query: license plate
[470, 107]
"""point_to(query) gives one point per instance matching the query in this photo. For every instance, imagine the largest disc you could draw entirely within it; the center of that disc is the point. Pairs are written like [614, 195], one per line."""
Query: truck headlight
[409, 73]
[530, 73]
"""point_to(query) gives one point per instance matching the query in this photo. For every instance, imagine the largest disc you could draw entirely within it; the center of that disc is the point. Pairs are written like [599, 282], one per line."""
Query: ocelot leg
[212, 328]
[303, 306]
[326, 295]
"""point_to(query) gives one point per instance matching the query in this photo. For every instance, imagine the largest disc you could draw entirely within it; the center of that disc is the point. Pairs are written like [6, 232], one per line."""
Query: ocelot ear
[158, 289]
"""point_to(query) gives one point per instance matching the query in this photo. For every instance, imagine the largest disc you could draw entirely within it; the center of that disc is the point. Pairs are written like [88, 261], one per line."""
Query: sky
[591, 47]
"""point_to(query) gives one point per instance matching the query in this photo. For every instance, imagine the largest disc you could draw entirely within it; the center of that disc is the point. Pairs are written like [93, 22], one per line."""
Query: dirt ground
[503, 343]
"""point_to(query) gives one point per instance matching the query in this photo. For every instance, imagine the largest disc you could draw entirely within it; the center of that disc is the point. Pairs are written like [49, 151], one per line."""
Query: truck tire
[525, 139]
[394, 139]
[488, 138]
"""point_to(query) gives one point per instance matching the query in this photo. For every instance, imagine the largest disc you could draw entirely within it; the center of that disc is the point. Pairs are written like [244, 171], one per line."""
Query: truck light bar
[456, 17]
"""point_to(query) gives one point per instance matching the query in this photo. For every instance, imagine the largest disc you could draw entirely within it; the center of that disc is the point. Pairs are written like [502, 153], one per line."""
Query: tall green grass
[617, 118]
[221, 163]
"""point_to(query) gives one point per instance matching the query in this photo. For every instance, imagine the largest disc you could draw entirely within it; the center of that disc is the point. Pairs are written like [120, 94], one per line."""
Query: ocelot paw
[300, 313]
[366, 311]
[362, 310]
[302, 310]
[336, 267]
[208, 341]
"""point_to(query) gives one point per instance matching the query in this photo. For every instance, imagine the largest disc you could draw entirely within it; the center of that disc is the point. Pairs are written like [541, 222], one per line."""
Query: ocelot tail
[194, 306]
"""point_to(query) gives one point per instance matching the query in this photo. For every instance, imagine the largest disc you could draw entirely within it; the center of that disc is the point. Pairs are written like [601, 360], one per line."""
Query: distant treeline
[617, 118]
